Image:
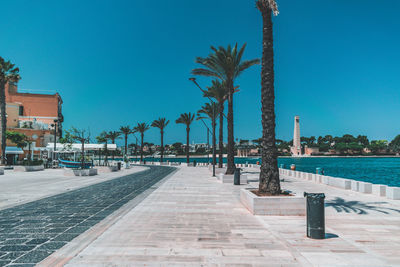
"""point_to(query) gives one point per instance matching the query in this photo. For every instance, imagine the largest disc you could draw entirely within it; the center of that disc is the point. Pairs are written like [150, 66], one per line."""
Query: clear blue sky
[121, 62]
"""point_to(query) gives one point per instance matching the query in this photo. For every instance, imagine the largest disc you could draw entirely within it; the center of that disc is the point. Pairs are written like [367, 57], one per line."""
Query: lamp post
[213, 122]
[55, 138]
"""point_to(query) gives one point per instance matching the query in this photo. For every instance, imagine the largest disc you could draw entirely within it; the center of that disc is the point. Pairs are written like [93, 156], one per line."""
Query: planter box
[393, 192]
[355, 185]
[340, 182]
[228, 178]
[107, 169]
[365, 187]
[379, 190]
[274, 205]
[85, 172]
[28, 168]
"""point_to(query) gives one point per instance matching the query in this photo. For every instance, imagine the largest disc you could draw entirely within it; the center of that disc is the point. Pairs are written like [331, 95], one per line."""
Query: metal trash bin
[236, 177]
[315, 215]
[194, 163]
[119, 165]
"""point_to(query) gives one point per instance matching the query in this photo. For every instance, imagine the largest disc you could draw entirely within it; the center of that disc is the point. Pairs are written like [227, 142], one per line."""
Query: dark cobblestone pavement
[31, 232]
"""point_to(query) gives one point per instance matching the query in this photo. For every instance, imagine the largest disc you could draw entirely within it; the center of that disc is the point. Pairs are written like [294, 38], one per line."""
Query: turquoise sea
[377, 170]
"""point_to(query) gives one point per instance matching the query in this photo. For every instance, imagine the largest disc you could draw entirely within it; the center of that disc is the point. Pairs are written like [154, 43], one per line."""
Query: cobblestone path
[31, 232]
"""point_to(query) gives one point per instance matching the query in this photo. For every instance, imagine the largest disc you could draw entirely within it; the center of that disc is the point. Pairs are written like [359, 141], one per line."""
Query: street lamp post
[213, 121]
[55, 138]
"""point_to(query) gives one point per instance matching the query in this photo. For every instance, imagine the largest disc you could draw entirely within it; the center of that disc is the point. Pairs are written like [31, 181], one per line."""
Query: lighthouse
[296, 148]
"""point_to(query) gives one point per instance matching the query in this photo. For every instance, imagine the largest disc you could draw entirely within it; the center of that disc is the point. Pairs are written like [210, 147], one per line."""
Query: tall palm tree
[226, 64]
[269, 174]
[126, 131]
[141, 128]
[113, 135]
[210, 111]
[161, 123]
[219, 92]
[8, 74]
[187, 119]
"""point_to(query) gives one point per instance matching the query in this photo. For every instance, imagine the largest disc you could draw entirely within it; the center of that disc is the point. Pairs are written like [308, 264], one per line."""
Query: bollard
[293, 167]
[315, 215]
[236, 177]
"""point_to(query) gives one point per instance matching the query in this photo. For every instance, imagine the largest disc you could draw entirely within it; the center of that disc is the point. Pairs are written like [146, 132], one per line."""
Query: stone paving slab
[33, 231]
[192, 220]
[17, 188]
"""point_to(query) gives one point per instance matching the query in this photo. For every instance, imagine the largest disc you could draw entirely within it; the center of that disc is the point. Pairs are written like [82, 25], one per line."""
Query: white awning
[14, 150]
[78, 147]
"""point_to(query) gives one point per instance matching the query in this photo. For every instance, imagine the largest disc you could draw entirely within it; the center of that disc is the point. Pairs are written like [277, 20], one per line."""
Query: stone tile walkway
[31, 232]
[17, 188]
[193, 220]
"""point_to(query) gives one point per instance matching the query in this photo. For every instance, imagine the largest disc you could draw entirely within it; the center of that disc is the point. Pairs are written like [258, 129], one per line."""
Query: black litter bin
[194, 163]
[236, 177]
[315, 215]
[119, 165]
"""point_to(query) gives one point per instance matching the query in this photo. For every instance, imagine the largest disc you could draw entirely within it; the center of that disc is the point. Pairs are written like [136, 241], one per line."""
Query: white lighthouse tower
[296, 148]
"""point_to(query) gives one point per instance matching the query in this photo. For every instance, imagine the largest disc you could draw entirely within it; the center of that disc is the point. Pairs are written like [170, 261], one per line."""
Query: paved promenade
[32, 231]
[193, 220]
[17, 188]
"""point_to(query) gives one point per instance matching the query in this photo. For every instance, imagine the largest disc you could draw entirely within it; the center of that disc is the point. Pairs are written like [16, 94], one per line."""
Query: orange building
[35, 115]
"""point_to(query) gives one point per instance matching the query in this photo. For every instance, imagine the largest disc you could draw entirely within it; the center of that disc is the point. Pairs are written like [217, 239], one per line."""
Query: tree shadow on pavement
[341, 205]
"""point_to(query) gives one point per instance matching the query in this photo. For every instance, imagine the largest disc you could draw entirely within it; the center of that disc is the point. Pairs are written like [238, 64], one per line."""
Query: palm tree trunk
[83, 155]
[221, 135]
[231, 146]
[187, 145]
[126, 145]
[106, 152]
[3, 121]
[162, 147]
[113, 153]
[214, 142]
[269, 175]
[141, 147]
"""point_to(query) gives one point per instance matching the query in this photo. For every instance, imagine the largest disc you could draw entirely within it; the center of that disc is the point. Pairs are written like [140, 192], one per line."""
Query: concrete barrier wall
[389, 192]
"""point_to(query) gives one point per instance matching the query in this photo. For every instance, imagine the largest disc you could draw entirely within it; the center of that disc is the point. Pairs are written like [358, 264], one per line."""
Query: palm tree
[126, 131]
[227, 65]
[211, 112]
[219, 92]
[187, 119]
[113, 135]
[141, 128]
[8, 74]
[269, 174]
[102, 139]
[161, 123]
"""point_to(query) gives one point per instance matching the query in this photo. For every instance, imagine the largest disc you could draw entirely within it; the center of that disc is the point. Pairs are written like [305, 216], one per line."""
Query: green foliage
[177, 147]
[395, 144]
[186, 118]
[378, 146]
[32, 162]
[141, 127]
[19, 139]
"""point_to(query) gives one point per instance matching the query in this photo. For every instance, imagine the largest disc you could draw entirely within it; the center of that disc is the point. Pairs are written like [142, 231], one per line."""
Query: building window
[21, 111]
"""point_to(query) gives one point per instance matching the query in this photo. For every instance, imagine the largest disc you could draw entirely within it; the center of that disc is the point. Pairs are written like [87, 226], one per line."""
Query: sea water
[377, 170]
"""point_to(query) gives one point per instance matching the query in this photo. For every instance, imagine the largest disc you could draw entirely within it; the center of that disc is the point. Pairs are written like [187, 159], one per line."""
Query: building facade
[35, 115]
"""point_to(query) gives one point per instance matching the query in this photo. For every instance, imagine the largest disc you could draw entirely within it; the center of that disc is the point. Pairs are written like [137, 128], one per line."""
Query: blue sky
[122, 62]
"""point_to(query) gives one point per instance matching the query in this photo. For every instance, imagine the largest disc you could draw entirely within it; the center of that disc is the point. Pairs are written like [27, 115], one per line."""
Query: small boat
[74, 164]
